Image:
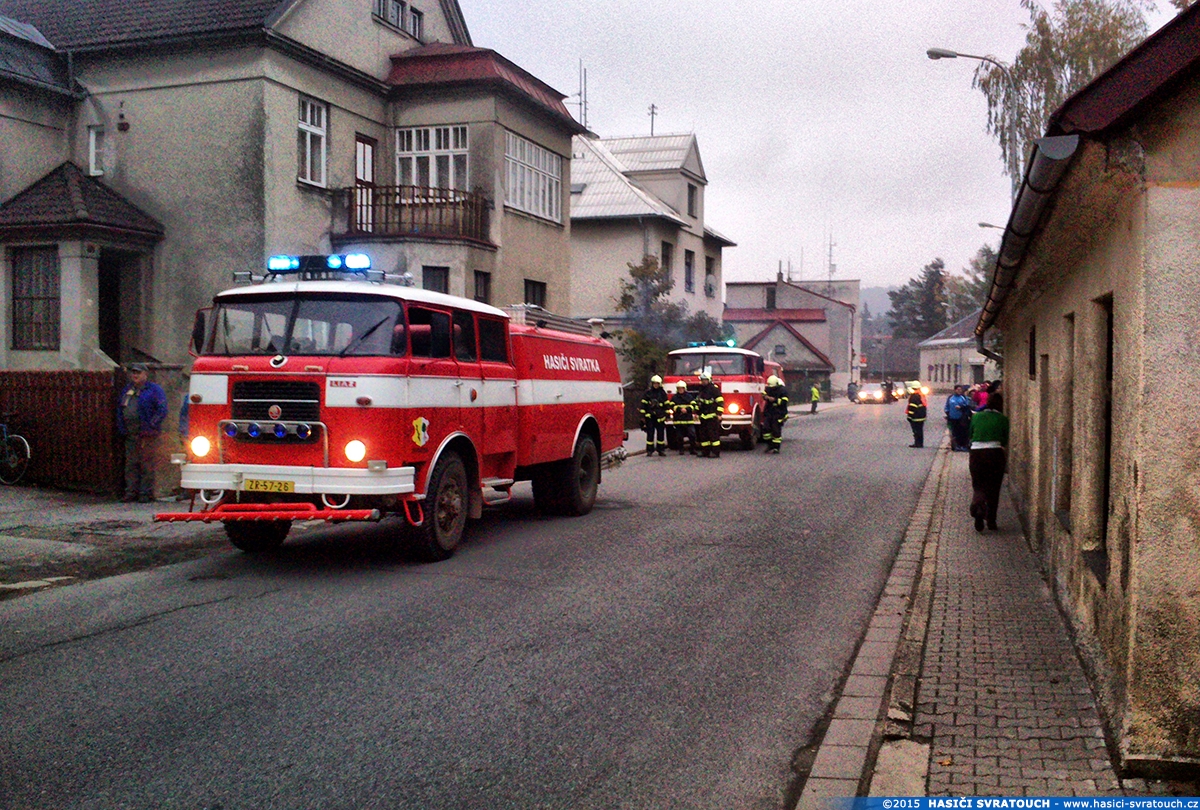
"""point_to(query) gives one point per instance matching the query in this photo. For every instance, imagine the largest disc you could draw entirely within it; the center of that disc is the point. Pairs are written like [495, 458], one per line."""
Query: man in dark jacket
[711, 406]
[140, 414]
[916, 417]
[654, 417]
[775, 414]
[683, 416]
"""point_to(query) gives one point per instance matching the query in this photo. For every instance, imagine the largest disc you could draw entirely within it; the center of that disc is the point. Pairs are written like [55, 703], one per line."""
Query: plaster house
[151, 149]
[951, 357]
[808, 327]
[238, 129]
[637, 197]
[1096, 294]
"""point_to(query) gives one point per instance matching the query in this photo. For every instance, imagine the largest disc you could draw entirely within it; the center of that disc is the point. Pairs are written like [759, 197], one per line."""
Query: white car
[870, 394]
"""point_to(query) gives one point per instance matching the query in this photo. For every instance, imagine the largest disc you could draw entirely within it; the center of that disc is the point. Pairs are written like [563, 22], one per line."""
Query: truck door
[499, 396]
[470, 383]
[433, 375]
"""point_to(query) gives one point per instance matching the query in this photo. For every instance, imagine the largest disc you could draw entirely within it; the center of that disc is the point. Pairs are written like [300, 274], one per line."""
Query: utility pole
[653, 112]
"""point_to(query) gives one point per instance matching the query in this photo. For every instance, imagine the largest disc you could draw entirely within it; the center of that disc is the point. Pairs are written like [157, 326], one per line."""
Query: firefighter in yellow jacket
[654, 417]
[711, 407]
[775, 414]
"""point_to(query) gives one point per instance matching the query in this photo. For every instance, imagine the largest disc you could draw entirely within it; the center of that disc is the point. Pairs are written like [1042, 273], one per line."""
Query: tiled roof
[956, 332]
[78, 24]
[756, 314]
[67, 197]
[26, 57]
[442, 64]
[604, 190]
[651, 153]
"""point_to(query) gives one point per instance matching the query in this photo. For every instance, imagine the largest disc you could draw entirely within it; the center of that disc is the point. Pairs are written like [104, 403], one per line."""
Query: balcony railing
[416, 211]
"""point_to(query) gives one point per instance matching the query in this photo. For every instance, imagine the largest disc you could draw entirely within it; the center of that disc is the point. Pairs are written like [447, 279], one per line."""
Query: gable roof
[67, 200]
[441, 64]
[96, 24]
[961, 331]
[657, 153]
[817, 353]
[604, 192]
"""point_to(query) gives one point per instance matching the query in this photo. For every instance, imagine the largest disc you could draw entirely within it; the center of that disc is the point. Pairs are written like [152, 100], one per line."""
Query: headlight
[878, 395]
[733, 408]
[200, 447]
[356, 451]
[925, 390]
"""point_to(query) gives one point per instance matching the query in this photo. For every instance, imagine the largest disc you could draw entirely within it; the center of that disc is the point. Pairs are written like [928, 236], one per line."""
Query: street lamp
[1013, 149]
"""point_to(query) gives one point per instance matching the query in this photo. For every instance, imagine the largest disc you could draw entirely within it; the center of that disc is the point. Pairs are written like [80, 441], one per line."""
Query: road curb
[887, 662]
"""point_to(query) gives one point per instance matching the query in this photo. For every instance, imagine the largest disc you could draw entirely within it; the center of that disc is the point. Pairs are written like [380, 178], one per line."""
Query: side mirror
[199, 331]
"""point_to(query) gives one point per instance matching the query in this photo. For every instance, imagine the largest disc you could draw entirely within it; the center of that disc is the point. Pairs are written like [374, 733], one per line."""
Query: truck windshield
[716, 364]
[306, 324]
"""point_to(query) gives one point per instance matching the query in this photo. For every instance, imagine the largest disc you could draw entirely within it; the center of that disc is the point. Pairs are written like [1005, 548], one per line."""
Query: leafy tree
[1065, 48]
[919, 307]
[656, 325]
[968, 292]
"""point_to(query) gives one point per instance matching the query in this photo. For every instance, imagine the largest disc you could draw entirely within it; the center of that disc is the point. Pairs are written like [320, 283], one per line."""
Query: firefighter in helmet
[776, 413]
[711, 407]
[654, 417]
[683, 416]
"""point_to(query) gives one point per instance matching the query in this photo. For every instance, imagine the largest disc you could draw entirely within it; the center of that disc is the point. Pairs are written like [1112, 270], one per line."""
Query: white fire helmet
[681, 385]
[656, 380]
[705, 376]
[773, 380]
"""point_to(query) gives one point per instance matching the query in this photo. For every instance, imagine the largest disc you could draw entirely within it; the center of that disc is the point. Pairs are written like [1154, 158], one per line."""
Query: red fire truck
[322, 392]
[742, 375]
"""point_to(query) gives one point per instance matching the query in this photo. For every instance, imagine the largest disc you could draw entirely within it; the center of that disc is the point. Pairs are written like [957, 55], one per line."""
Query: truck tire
[257, 536]
[446, 504]
[569, 487]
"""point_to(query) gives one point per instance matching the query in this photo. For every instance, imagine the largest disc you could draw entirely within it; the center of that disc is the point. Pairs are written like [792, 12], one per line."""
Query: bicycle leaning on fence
[14, 454]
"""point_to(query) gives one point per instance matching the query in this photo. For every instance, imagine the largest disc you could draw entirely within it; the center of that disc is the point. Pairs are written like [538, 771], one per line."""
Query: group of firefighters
[695, 416]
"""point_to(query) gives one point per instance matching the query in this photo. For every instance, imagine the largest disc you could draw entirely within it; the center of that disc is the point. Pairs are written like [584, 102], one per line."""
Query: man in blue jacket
[140, 414]
[958, 414]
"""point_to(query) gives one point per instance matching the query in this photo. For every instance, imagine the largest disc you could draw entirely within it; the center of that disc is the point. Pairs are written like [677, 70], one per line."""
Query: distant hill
[876, 298]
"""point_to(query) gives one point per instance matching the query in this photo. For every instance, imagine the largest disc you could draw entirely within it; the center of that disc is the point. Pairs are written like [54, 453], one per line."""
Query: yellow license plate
[259, 485]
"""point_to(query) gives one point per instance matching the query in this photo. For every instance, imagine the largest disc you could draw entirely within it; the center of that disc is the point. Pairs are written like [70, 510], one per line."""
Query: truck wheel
[445, 510]
[257, 536]
[569, 487]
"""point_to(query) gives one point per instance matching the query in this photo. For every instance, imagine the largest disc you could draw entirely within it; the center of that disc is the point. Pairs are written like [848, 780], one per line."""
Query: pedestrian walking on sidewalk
[988, 460]
[140, 414]
[815, 396]
[916, 417]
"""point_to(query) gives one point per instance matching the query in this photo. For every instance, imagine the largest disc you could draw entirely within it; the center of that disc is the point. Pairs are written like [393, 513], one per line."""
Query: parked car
[871, 394]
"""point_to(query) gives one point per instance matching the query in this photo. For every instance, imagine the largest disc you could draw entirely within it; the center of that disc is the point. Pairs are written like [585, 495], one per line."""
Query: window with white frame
[391, 12]
[95, 151]
[311, 138]
[432, 157]
[534, 178]
[416, 23]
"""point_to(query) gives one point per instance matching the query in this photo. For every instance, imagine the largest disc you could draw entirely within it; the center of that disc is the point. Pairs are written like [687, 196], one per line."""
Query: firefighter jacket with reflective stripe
[777, 400]
[916, 410]
[683, 408]
[709, 401]
[654, 405]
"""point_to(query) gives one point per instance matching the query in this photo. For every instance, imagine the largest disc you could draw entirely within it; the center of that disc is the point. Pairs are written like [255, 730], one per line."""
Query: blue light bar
[283, 263]
[334, 262]
[358, 261]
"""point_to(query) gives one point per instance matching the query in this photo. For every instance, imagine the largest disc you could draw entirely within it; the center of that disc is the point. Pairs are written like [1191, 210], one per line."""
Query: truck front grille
[298, 401]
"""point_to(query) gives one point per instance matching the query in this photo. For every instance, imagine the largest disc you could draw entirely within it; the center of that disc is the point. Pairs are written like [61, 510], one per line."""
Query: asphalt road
[675, 648]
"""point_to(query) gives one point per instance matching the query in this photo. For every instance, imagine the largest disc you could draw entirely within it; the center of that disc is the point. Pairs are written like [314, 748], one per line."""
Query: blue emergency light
[321, 263]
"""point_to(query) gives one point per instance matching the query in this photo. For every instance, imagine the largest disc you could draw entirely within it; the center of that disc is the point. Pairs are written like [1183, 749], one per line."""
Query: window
[534, 178]
[780, 350]
[429, 333]
[770, 298]
[483, 287]
[493, 340]
[95, 151]
[710, 277]
[689, 271]
[310, 142]
[535, 293]
[436, 279]
[693, 196]
[1033, 352]
[416, 23]
[36, 305]
[668, 259]
[464, 337]
[432, 157]
[391, 12]
[279, 324]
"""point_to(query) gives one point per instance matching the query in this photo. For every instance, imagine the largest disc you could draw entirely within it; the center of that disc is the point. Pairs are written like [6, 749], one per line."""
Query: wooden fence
[69, 419]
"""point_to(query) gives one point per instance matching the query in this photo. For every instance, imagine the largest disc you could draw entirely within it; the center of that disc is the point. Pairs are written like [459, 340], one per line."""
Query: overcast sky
[814, 118]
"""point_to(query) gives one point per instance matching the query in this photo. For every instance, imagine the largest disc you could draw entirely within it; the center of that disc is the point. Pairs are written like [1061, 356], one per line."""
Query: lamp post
[945, 53]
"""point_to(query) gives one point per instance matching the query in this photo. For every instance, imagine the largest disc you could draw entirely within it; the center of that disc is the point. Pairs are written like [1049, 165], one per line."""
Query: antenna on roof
[653, 113]
[582, 95]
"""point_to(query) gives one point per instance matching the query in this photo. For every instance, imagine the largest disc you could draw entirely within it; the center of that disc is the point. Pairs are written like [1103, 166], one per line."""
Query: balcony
[416, 212]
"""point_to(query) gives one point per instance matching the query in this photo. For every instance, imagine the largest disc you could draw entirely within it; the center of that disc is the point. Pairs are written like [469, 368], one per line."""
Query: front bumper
[304, 480]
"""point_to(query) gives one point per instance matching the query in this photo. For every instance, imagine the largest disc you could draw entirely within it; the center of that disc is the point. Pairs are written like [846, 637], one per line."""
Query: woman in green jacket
[988, 460]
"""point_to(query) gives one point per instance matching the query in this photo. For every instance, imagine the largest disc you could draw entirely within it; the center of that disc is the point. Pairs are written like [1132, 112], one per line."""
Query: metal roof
[958, 332]
[653, 153]
[23, 31]
[605, 192]
[28, 57]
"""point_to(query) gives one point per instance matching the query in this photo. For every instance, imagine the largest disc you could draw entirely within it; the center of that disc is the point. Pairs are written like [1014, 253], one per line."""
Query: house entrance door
[118, 302]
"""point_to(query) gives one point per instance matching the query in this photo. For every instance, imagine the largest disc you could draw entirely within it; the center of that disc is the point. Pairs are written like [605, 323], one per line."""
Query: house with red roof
[1095, 294]
[808, 327]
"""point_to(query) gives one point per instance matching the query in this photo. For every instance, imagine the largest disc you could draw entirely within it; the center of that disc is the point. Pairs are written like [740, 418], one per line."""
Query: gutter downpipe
[1049, 162]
